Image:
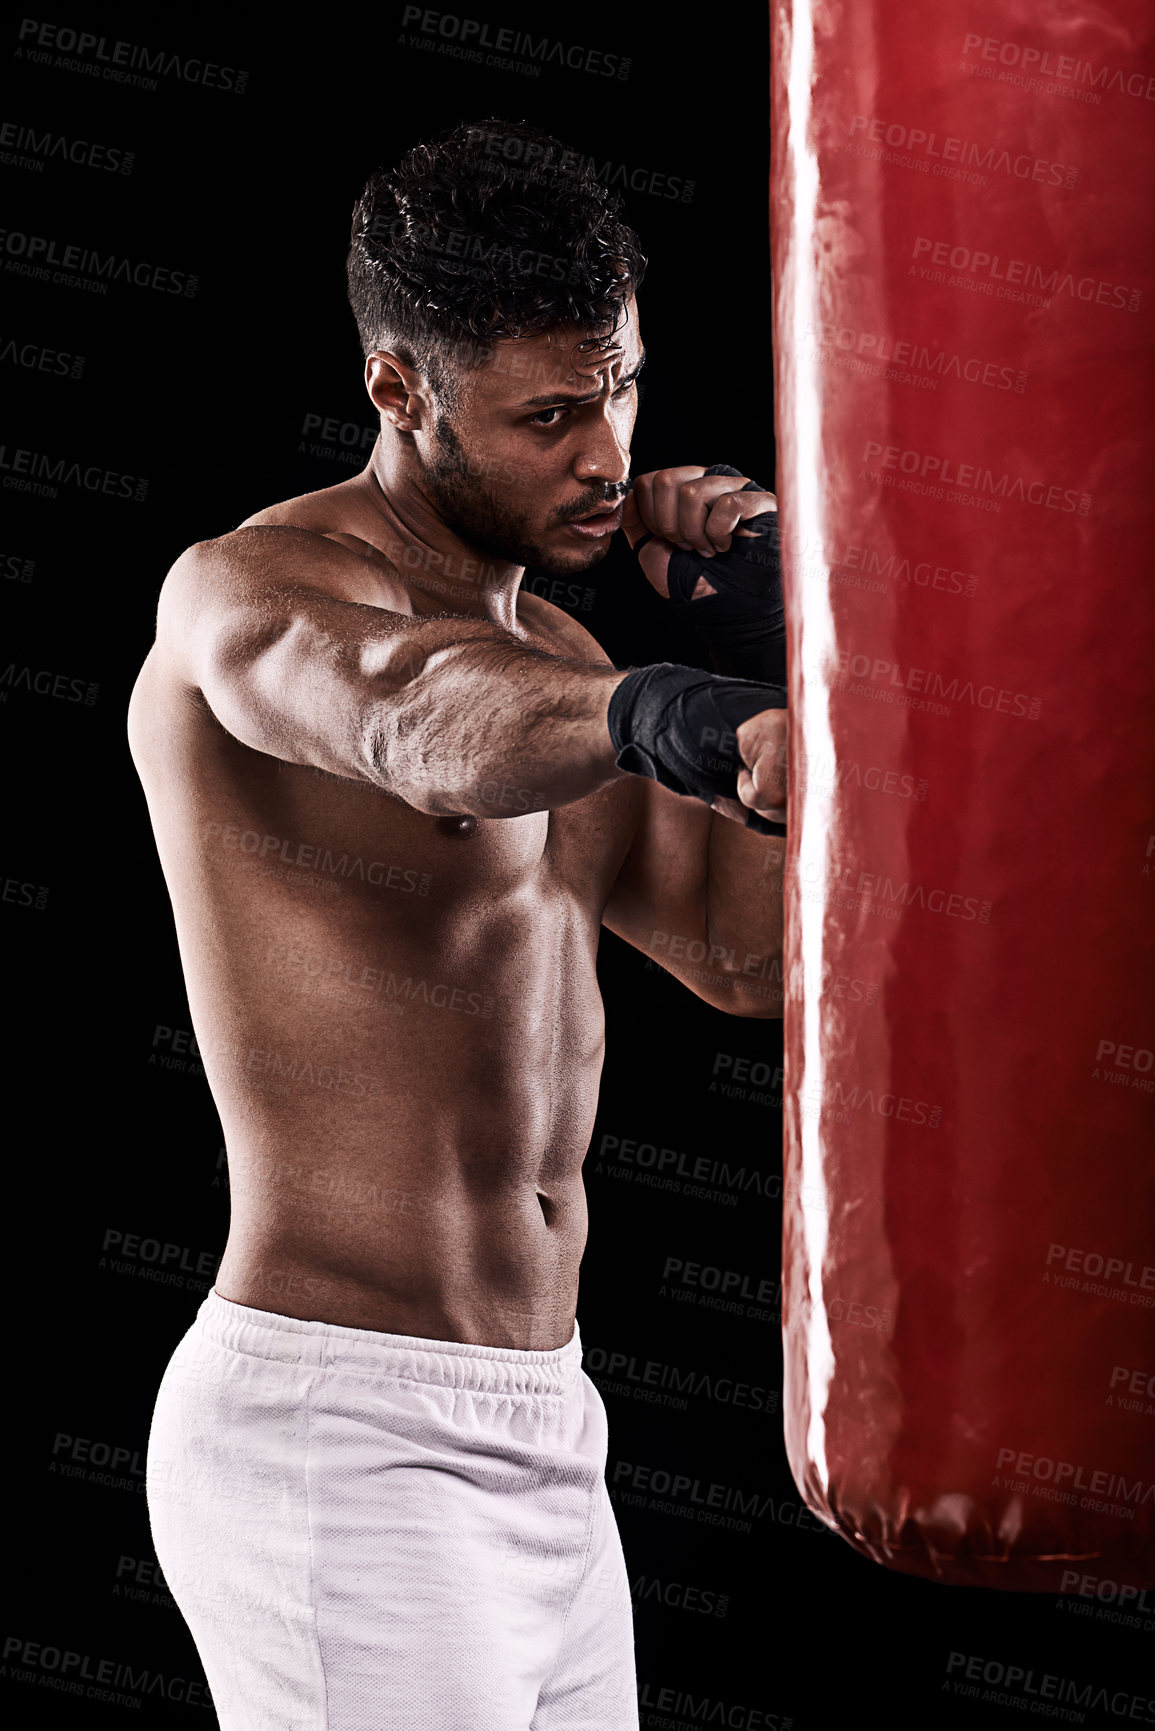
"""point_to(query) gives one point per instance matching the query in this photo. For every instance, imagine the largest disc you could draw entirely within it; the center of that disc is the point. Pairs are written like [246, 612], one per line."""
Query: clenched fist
[763, 743]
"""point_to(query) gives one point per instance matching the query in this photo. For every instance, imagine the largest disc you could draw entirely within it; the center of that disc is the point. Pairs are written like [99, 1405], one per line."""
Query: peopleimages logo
[941, 471]
[37, 472]
[900, 355]
[1044, 62]
[24, 147]
[1056, 1481]
[1020, 272]
[942, 148]
[1108, 1592]
[887, 676]
[653, 1374]
[477, 250]
[468, 36]
[877, 893]
[902, 1107]
[95, 1678]
[121, 62]
[45, 683]
[702, 1169]
[531, 152]
[36, 357]
[1012, 1685]
[39, 256]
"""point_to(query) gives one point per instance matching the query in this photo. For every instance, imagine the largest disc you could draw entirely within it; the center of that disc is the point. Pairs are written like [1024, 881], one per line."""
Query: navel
[460, 824]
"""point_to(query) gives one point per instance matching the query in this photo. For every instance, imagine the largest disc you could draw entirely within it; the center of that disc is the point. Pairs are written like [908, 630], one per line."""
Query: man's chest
[317, 828]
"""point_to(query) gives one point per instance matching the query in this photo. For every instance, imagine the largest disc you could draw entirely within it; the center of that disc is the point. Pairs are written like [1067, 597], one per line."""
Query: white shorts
[375, 1532]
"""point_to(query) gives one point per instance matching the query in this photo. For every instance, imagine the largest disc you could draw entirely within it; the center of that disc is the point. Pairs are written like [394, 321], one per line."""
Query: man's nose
[603, 455]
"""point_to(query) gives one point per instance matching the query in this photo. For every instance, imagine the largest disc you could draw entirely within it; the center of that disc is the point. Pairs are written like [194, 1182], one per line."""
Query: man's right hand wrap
[677, 725]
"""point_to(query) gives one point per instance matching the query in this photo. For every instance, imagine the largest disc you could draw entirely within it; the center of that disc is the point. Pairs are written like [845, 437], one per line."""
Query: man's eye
[541, 420]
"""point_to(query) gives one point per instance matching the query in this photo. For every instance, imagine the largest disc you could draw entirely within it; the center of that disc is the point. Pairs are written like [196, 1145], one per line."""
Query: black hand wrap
[677, 725]
[744, 625]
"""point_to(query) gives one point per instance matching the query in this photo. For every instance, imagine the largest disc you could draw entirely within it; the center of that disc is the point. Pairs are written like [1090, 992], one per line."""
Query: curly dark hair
[493, 230]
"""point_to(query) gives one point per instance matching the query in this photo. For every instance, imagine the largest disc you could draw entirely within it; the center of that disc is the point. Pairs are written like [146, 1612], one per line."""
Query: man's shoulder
[328, 510]
[249, 557]
[310, 541]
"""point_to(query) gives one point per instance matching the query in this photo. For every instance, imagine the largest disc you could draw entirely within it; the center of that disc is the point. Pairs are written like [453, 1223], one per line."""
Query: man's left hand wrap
[677, 725]
[744, 625]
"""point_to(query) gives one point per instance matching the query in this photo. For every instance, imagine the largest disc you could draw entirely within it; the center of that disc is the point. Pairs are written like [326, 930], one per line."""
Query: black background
[206, 396]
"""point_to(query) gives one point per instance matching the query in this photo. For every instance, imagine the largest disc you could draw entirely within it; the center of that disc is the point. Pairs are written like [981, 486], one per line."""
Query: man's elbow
[762, 1009]
[761, 996]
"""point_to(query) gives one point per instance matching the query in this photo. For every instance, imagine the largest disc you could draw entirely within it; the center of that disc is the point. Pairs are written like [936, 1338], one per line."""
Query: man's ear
[398, 392]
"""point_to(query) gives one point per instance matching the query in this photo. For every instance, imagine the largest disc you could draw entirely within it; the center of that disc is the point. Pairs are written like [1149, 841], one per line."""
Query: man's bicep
[286, 666]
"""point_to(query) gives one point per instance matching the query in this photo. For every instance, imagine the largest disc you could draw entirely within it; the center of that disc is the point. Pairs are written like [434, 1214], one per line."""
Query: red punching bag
[962, 228]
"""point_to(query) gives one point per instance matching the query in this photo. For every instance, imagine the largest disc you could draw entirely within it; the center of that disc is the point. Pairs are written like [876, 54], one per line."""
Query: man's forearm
[744, 908]
[496, 729]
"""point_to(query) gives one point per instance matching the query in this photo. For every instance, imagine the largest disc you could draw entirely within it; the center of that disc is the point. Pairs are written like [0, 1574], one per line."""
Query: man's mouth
[603, 521]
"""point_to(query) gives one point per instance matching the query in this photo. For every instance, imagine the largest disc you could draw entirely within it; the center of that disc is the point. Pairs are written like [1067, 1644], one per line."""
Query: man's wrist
[678, 726]
[606, 746]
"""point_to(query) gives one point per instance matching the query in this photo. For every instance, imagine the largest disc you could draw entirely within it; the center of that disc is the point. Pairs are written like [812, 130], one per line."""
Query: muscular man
[395, 797]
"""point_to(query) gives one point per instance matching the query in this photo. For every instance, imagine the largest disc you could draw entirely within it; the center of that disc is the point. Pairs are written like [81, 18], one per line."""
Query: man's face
[537, 442]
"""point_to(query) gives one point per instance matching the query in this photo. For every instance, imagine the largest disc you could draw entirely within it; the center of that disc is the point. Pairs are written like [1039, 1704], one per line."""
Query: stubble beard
[468, 505]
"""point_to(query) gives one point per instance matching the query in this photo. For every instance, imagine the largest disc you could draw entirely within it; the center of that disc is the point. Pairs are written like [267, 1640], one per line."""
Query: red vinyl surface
[962, 227]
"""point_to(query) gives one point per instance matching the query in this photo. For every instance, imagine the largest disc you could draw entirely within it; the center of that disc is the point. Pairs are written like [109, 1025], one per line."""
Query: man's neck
[431, 559]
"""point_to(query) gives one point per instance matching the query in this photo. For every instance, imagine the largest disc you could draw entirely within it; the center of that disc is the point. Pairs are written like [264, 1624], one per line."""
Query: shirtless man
[395, 797]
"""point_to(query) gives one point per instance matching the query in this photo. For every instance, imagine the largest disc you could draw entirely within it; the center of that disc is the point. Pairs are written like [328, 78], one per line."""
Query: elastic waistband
[444, 1363]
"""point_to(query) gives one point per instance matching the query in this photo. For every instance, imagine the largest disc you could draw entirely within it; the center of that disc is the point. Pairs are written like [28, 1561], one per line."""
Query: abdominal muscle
[406, 1119]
